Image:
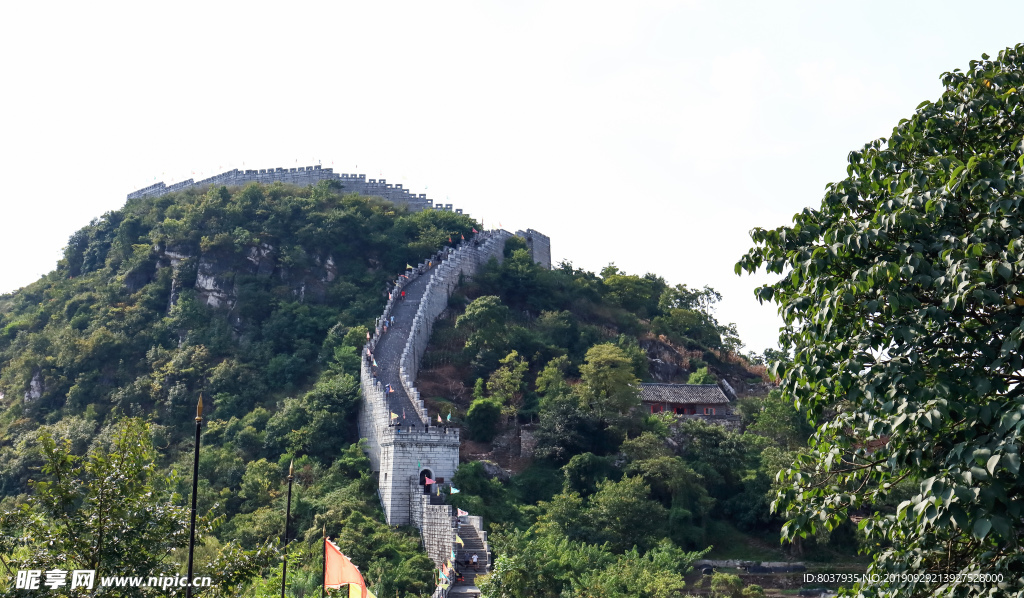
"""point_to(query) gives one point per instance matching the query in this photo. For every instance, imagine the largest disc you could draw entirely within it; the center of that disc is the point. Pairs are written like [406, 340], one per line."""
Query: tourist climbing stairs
[474, 545]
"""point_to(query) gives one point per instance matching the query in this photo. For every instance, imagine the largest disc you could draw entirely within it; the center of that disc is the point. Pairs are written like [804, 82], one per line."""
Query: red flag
[449, 238]
[338, 570]
[463, 237]
[428, 480]
[474, 230]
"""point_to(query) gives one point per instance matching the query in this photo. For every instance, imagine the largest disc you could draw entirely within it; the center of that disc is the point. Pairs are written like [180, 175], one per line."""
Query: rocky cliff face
[213, 274]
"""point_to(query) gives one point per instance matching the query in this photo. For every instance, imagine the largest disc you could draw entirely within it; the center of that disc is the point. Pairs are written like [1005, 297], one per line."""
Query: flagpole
[287, 516]
[195, 486]
[323, 586]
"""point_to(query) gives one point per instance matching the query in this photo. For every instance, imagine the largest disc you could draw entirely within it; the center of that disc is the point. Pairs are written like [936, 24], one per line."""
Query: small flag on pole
[374, 363]
[408, 267]
[403, 412]
[367, 335]
[418, 465]
[449, 238]
[427, 480]
[394, 415]
[474, 230]
[463, 237]
[439, 418]
[459, 540]
[449, 416]
[455, 490]
[462, 514]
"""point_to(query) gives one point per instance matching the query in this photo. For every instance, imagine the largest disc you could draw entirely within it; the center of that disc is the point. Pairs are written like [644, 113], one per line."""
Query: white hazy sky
[654, 135]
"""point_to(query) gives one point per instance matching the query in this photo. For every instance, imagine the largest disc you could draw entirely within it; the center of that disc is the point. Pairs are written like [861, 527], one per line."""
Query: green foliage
[483, 496]
[547, 565]
[609, 386]
[726, 585]
[482, 419]
[566, 429]
[126, 325]
[902, 296]
[774, 417]
[112, 511]
[506, 382]
[584, 471]
[702, 376]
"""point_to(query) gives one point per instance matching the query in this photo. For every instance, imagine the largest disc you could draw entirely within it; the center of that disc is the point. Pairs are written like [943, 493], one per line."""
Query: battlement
[304, 176]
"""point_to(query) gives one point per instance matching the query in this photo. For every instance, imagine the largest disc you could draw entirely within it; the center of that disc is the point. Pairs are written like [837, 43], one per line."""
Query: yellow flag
[408, 267]
[459, 540]
[394, 415]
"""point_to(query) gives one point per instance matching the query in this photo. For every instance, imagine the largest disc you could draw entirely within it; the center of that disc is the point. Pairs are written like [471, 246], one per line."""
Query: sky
[654, 135]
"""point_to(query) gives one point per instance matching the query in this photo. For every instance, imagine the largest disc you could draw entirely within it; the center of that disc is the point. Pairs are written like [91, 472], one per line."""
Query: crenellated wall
[303, 176]
[443, 280]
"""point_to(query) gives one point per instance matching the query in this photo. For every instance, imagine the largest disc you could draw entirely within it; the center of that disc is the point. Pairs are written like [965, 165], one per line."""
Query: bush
[726, 585]
[482, 419]
[702, 376]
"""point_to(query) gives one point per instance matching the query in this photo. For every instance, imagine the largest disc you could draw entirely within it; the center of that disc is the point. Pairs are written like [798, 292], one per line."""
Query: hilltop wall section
[303, 176]
[539, 245]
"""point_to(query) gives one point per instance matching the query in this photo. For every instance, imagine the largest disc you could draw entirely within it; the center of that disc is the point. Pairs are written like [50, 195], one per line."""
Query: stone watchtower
[407, 458]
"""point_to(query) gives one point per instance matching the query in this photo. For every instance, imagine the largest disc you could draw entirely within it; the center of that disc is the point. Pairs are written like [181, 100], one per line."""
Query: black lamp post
[195, 487]
[287, 516]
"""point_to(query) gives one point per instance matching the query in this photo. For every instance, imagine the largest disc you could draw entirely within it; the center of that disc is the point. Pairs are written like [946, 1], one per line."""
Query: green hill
[260, 298]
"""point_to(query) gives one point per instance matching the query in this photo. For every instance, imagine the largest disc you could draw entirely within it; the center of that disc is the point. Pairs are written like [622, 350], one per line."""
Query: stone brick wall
[444, 279]
[539, 245]
[303, 176]
[393, 452]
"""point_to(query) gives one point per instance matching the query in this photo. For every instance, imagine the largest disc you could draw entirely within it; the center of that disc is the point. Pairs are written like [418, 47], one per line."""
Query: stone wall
[303, 176]
[443, 280]
[395, 452]
[539, 245]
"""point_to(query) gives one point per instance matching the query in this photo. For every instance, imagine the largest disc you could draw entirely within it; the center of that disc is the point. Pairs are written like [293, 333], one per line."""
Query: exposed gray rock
[494, 471]
[35, 387]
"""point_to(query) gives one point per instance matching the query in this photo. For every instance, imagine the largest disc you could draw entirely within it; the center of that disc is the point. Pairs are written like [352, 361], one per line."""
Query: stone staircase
[473, 545]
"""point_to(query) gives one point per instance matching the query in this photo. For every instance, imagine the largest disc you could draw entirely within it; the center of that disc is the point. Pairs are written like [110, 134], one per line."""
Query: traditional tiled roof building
[700, 401]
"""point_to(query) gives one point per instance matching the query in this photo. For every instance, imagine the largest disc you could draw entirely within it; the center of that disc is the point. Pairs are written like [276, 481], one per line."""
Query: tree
[702, 376]
[506, 383]
[482, 419]
[726, 585]
[111, 512]
[902, 297]
[609, 386]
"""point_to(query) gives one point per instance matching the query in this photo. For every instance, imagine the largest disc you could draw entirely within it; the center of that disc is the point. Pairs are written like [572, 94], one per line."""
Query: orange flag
[338, 570]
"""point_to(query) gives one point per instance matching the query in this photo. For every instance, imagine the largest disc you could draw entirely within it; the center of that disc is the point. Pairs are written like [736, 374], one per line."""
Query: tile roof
[689, 394]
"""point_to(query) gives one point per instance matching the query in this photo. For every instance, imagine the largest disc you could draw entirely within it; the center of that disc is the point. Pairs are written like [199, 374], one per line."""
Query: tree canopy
[903, 301]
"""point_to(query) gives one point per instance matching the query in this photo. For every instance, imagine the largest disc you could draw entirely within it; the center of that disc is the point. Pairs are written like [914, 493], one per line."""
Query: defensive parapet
[443, 280]
[303, 176]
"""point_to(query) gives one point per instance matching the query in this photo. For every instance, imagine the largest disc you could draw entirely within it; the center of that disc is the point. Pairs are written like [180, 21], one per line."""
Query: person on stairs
[474, 562]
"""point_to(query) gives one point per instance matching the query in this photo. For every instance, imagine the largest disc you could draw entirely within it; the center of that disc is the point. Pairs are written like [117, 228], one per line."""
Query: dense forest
[260, 298]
